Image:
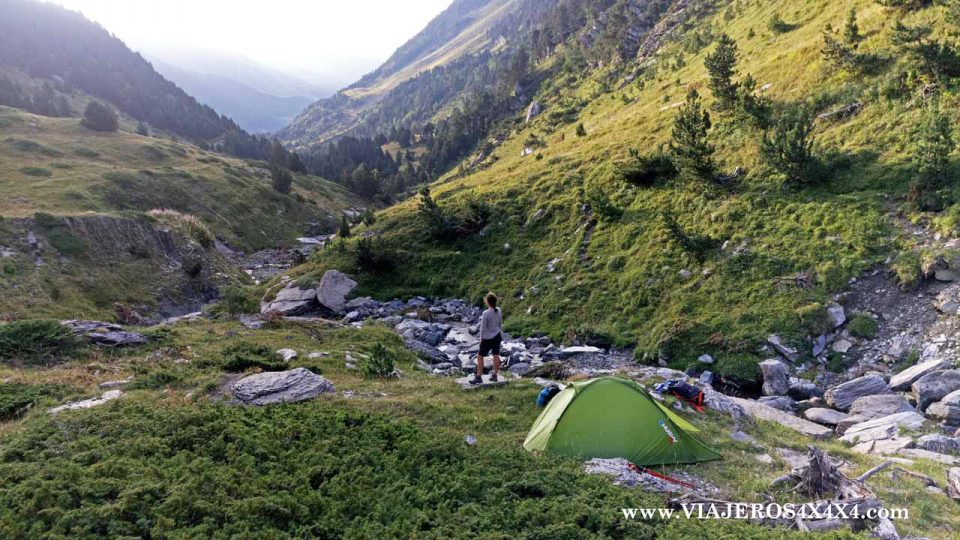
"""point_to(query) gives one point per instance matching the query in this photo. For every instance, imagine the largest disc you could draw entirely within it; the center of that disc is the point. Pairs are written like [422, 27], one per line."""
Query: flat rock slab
[765, 412]
[906, 378]
[842, 396]
[281, 387]
[464, 382]
[916, 453]
[870, 407]
[88, 403]
[884, 427]
[827, 417]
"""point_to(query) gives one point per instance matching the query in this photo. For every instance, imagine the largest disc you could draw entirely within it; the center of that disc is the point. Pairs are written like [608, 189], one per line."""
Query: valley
[206, 333]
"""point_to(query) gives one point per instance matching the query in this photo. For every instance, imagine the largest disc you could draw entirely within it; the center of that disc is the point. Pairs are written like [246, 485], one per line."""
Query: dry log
[922, 477]
[863, 477]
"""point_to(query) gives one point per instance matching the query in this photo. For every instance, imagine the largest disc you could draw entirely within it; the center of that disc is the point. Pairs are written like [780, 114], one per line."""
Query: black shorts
[490, 346]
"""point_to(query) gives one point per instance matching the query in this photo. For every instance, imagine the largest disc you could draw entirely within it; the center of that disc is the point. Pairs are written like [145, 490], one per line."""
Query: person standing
[491, 323]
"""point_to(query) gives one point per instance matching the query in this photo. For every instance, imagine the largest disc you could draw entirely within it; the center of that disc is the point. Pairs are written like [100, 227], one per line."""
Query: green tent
[612, 417]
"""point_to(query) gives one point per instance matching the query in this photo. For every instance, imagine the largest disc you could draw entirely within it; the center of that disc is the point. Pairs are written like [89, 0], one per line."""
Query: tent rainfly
[612, 417]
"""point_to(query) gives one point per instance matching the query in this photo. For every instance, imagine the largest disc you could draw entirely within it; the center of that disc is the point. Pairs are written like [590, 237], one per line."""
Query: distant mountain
[71, 53]
[254, 110]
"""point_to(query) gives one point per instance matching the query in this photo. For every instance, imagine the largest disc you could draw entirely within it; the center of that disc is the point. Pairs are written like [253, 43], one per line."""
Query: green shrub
[99, 117]
[380, 364]
[814, 319]
[372, 256]
[36, 171]
[244, 355]
[645, 169]
[86, 152]
[59, 236]
[907, 268]
[18, 398]
[742, 368]
[156, 380]
[237, 300]
[863, 326]
[36, 342]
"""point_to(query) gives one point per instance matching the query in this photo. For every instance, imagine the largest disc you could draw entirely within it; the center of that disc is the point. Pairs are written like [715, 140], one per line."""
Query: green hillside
[620, 271]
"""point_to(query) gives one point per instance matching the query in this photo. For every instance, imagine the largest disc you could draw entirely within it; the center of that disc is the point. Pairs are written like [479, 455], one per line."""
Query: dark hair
[491, 300]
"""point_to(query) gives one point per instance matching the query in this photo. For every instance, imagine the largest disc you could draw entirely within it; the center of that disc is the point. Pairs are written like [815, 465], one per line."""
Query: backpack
[691, 395]
[547, 394]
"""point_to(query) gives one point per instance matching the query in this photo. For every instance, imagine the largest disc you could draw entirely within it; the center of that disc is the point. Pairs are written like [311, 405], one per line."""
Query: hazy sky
[315, 35]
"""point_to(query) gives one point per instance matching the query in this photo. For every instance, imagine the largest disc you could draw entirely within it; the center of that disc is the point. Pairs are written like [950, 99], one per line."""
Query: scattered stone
[827, 417]
[705, 359]
[953, 482]
[706, 378]
[837, 314]
[841, 345]
[870, 407]
[316, 355]
[766, 459]
[947, 410]
[287, 354]
[942, 444]
[801, 389]
[625, 475]
[945, 275]
[291, 300]
[886, 447]
[567, 352]
[916, 453]
[532, 111]
[115, 384]
[783, 349]
[775, 378]
[934, 386]
[685, 274]
[464, 382]
[426, 352]
[841, 397]
[884, 427]
[470, 440]
[906, 378]
[88, 403]
[782, 403]
[520, 368]
[117, 339]
[281, 387]
[333, 290]
[820, 345]
[759, 410]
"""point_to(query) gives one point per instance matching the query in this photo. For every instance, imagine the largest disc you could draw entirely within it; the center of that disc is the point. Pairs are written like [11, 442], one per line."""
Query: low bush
[863, 326]
[244, 355]
[36, 171]
[645, 169]
[237, 300]
[18, 398]
[36, 342]
[380, 364]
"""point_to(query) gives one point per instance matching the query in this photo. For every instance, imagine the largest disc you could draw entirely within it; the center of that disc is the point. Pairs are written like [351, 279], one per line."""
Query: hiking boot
[475, 380]
[493, 377]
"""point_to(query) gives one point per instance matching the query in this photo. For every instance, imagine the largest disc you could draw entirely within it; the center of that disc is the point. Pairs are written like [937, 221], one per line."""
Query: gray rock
[706, 378]
[775, 378]
[578, 350]
[287, 354]
[801, 389]
[820, 345]
[837, 314]
[333, 290]
[760, 411]
[942, 444]
[782, 348]
[870, 407]
[934, 386]
[281, 387]
[883, 427]
[944, 275]
[426, 352]
[532, 111]
[906, 378]
[947, 410]
[520, 368]
[827, 417]
[291, 300]
[841, 397]
[117, 339]
[782, 403]
[705, 359]
[841, 345]
[88, 403]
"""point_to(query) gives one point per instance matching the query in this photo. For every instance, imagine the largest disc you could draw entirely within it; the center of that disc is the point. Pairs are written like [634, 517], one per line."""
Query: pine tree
[344, 231]
[691, 150]
[851, 31]
[581, 131]
[99, 117]
[932, 160]
[143, 129]
[282, 180]
[721, 65]
[788, 147]
[296, 164]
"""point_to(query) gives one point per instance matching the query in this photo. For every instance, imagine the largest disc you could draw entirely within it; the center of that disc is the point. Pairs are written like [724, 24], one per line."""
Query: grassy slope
[62, 168]
[388, 460]
[629, 287]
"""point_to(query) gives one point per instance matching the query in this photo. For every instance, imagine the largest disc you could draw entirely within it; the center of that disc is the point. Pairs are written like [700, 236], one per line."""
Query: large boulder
[785, 350]
[934, 386]
[333, 290]
[755, 409]
[775, 378]
[291, 300]
[426, 352]
[281, 387]
[842, 396]
[117, 339]
[947, 410]
[801, 389]
[904, 379]
[884, 427]
[870, 407]
[941, 444]
[827, 417]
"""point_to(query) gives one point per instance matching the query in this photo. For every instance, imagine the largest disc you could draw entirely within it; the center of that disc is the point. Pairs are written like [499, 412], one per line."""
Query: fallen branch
[922, 477]
[863, 477]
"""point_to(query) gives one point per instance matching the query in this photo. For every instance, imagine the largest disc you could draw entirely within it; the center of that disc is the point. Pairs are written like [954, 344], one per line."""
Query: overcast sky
[316, 35]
